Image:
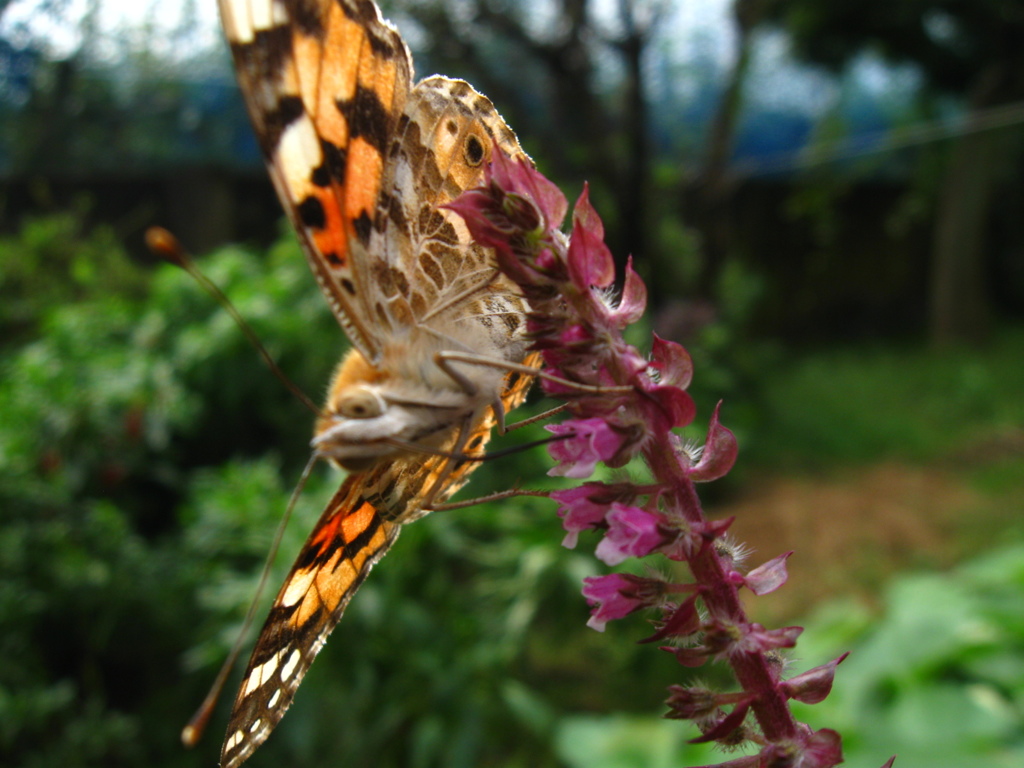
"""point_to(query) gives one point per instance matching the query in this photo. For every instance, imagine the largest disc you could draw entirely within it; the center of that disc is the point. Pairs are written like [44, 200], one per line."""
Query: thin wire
[891, 140]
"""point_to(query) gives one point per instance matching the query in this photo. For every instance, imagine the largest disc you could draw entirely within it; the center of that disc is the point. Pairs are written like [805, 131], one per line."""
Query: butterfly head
[371, 415]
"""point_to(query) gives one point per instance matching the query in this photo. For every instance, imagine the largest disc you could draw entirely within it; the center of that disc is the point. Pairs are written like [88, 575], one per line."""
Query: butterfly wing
[326, 83]
[349, 539]
[426, 260]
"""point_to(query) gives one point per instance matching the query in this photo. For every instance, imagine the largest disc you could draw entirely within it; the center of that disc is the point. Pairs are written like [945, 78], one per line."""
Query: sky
[692, 22]
[125, 19]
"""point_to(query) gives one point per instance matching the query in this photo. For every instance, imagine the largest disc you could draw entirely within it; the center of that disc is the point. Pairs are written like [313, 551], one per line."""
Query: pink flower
[579, 511]
[632, 532]
[624, 405]
[618, 595]
[519, 177]
[589, 441]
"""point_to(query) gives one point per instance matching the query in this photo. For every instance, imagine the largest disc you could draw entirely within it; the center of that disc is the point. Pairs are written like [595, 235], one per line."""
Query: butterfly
[364, 160]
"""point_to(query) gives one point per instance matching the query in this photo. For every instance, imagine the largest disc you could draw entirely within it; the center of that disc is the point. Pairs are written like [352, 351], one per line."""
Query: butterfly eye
[360, 404]
[474, 150]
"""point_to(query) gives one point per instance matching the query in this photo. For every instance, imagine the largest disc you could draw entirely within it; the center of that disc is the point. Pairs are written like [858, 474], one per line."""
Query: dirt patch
[849, 533]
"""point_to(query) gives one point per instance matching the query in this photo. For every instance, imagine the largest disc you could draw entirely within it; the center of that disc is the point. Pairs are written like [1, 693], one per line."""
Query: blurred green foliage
[862, 404]
[52, 261]
[938, 676]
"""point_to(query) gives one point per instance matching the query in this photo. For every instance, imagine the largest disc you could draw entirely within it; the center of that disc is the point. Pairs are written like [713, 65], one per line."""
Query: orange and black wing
[349, 538]
[326, 83]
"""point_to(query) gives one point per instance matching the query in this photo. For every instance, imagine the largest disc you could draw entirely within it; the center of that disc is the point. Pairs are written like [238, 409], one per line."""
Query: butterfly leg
[506, 365]
[443, 360]
[441, 480]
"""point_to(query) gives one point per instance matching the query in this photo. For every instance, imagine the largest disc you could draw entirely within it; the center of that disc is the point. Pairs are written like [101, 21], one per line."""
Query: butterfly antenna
[195, 728]
[165, 245]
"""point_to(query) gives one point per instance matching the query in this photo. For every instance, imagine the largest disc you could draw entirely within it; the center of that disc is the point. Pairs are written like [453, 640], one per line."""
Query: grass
[863, 405]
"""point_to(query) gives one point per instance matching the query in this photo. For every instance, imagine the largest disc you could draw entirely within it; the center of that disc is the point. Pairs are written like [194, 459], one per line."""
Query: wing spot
[261, 673]
[367, 118]
[453, 127]
[311, 213]
[308, 18]
[296, 590]
[288, 670]
[400, 281]
[276, 121]
[274, 699]
[418, 305]
[333, 166]
[236, 738]
[363, 226]
[256, 725]
[349, 287]
[397, 213]
[474, 150]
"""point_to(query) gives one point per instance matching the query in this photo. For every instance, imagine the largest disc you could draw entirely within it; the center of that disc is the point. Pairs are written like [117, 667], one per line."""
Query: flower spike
[624, 406]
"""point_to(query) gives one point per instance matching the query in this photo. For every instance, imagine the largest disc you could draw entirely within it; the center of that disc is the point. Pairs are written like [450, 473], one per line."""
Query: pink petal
[728, 724]
[632, 532]
[589, 441]
[719, 453]
[824, 749]
[616, 595]
[684, 621]
[578, 510]
[768, 577]
[589, 260]
[633, 301]
[813, 685]
[672, 361]
[520, 177]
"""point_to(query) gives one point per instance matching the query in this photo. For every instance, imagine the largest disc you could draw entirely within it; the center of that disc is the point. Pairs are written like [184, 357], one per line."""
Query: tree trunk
[960, 302]
[713, 187]
[636, 175]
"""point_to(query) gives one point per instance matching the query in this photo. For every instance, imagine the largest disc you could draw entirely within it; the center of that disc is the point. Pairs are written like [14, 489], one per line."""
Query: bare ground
[849, 533]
